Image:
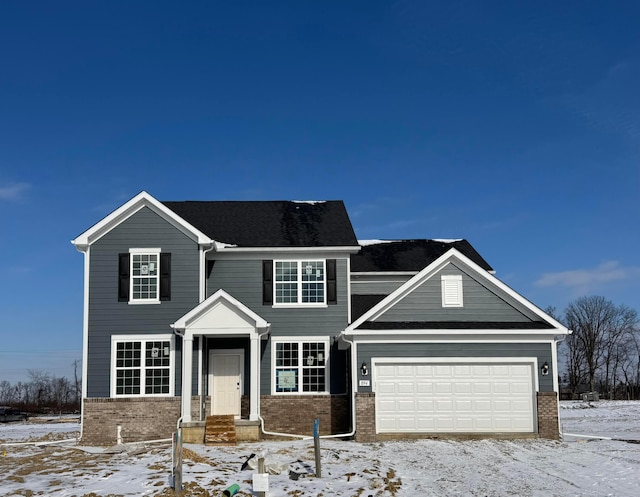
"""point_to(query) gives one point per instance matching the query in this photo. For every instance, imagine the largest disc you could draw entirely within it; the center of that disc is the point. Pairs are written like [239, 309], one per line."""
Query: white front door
[225, 381]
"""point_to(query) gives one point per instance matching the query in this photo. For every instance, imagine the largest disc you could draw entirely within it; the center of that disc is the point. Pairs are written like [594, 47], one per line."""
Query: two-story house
[274, 313]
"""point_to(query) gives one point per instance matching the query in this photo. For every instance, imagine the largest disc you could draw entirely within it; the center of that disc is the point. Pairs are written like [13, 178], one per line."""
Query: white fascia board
[447, 335]
[122, 213]
[384, 273]
[341, 249]
[278, 254]
[183, 323]
[432, 269]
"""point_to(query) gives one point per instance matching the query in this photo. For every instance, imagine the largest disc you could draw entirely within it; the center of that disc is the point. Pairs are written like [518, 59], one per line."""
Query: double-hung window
[144, 276]
[300, 366]
[142, 365]
[300, 282]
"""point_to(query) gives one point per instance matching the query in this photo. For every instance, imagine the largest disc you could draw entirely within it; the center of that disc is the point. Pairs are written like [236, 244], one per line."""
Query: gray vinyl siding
[376, 285]
[480, 302]
[542, 351]
[242, 279]
[108, 317]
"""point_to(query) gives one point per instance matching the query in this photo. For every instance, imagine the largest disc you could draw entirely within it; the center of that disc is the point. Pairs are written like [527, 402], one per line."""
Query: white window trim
[143, 338]
[452, 294]
[299, 340]
[143, 251]
[299, 283]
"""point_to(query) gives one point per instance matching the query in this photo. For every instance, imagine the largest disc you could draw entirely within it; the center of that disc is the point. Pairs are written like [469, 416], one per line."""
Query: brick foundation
[365, 417]
[295, 414]
[149, 418]
[548, 425]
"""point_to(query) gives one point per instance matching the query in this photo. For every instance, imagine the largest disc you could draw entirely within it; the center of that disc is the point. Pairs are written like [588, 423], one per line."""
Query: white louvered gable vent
[451, 290]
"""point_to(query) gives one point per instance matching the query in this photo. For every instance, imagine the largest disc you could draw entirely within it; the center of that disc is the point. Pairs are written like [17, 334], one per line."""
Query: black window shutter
[165, 276]
[332, 291]
[123, 277]
[267, 282]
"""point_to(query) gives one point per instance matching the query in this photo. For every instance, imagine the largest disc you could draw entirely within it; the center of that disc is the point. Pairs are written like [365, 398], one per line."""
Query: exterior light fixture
[364, 371]
[545, 369]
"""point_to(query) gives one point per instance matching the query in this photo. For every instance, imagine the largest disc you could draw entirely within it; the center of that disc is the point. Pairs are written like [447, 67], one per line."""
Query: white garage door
[462, 397]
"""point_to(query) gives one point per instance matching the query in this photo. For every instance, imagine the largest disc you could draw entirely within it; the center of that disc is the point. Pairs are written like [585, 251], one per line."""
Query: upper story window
[141, 365]
[299, 282]
[307, 282]
[144, 276]
[451, 290]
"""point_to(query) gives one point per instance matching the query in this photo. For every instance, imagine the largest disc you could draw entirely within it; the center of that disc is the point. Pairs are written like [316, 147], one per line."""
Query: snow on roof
[310, 202]
[364, 243]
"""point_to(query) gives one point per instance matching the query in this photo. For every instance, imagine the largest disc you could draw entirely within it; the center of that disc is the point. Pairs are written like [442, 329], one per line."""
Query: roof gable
[432, 269]
[270, 223]
[223, 313]
[122, 213]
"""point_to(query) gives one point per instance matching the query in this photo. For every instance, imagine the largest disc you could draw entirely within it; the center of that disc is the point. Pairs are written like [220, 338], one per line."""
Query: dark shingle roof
[409, 255]
[270, 223]
[362, 303]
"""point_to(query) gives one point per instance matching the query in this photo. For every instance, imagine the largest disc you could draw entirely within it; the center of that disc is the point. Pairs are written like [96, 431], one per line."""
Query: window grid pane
[132, 371]
[144, 272]
[299, 282]
[301, 360]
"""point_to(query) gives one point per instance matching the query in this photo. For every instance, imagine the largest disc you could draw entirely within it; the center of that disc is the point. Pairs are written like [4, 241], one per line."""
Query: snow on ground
[577, 466]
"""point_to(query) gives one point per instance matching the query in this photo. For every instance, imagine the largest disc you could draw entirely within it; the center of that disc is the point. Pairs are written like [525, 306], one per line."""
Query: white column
[187, 368]
[254, 395]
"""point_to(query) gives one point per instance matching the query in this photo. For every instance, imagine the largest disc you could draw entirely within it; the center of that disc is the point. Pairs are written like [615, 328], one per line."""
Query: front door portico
[219, 316]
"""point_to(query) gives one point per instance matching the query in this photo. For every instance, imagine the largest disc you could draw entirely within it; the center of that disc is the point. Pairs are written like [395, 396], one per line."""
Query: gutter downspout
[557, 341]
[203, 339]
[354, 373]
[85, 250]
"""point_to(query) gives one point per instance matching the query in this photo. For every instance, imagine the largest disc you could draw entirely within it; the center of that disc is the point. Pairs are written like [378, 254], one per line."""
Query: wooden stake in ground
[316, 443]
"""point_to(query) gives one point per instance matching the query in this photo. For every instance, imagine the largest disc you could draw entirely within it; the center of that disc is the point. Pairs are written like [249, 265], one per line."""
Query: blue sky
[514, 125]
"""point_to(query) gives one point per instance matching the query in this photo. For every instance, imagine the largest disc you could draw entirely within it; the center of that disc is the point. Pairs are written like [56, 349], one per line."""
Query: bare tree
[599, 328]
[76, 381]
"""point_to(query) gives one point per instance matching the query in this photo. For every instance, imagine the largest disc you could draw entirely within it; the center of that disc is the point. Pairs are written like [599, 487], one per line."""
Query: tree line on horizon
[43, 393]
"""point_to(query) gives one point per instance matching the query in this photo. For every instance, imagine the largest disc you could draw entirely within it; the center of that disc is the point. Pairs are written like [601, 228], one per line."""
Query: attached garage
[483, 395]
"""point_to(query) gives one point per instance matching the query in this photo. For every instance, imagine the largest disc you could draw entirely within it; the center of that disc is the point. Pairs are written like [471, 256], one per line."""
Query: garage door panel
[442, 387]
[425, 405]
[481, 387]
[424, 371]
[460, 397]
[424, 388]
[405, 387]
[462, 387]
[386, 387]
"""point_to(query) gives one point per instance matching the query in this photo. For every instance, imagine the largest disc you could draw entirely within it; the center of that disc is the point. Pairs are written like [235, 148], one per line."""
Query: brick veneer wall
[365, 417]
[548, 425]
[295, 414]
[147, 418]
